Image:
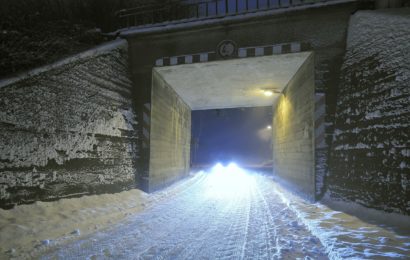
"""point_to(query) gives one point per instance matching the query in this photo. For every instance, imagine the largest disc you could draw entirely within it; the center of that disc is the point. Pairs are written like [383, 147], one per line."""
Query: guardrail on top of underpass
[185, 10]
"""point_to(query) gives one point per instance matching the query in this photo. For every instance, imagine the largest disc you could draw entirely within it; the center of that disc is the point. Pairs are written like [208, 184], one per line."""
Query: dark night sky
[238, 135]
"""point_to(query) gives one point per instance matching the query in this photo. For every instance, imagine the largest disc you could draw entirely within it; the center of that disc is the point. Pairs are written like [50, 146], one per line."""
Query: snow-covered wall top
[371, 148]
[68, 128]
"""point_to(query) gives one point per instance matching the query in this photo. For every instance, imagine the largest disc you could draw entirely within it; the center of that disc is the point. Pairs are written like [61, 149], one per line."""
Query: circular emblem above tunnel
[227, 49]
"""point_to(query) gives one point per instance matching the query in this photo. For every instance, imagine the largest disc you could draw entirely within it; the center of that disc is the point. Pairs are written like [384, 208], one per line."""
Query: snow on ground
[225, 214]
[28, 230]
[373, 234]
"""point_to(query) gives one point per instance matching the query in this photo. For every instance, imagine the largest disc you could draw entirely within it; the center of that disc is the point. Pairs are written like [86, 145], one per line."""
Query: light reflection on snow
[345, 236]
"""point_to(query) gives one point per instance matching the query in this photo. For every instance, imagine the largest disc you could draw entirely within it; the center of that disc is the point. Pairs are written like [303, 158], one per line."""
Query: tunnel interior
[239, 135]
[284, 82]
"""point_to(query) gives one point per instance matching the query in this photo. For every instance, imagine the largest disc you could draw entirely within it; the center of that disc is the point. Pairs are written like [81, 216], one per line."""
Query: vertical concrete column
[293, 131]
[170, 135]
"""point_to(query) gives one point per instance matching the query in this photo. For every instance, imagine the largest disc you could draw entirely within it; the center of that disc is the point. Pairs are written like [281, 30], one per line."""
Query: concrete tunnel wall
[170, 135]
[293, 124]
[293, 138]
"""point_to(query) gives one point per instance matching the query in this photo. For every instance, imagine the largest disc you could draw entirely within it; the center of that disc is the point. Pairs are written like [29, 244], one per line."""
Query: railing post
[153, 16]
[170, 11]
[176, 12]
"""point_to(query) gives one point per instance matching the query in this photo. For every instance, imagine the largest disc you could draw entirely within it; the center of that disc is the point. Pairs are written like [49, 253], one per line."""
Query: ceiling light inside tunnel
[269, 92]
[269, 127]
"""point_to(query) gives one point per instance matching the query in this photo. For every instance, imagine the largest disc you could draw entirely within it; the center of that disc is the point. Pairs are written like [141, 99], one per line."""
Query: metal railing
[182, 10]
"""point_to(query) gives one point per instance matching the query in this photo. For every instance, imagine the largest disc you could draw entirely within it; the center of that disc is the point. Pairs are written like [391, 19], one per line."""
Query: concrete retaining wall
[371, 149]
[170, 135]
[293, 131]
[68, 129]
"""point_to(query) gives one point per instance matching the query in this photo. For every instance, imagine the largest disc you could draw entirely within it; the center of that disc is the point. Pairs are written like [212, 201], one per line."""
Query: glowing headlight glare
[228, 182]
[218, 168]
[233, 168]
[232, 165]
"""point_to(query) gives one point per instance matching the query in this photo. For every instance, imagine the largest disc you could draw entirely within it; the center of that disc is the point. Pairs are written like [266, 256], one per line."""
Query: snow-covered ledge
[101, 49]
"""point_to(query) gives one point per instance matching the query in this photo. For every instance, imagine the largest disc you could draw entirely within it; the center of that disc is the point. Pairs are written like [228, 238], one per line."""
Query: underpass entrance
[232, 135]
[283, 82]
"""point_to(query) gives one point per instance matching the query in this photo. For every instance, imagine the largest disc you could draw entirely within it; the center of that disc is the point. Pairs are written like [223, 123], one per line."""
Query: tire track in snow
[270, 226]
[297, 240]
[225, 224]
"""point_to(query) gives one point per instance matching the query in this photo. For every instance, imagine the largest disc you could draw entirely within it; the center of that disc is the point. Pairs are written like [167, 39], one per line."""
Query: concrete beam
[232, 83]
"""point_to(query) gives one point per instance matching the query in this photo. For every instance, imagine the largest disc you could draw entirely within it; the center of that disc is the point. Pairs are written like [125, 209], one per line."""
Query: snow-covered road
[215, 217]
[219, 215]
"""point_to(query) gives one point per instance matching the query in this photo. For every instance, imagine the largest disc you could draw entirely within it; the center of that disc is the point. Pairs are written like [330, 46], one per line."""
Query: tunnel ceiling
[232, 83]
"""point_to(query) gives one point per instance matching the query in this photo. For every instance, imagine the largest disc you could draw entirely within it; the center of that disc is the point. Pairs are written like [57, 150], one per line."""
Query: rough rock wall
[68, 129]
[371, 149]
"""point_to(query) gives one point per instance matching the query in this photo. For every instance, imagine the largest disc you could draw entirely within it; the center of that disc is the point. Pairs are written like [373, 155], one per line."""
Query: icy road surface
[230, 214]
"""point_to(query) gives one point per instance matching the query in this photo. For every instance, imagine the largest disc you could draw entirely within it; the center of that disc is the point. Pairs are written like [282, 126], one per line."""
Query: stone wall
[170, 135]
[371, 149]
[293, 131]
[68, 129]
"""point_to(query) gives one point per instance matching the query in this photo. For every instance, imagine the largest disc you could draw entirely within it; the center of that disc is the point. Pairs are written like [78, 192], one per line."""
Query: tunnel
[102, 155]
[284, 82]
[232, 135]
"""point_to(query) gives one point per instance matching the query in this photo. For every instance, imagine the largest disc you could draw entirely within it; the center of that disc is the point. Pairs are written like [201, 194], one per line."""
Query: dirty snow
[225, 214]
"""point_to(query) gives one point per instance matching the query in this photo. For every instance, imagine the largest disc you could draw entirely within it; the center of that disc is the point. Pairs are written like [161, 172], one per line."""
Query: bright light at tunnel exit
[229, 182]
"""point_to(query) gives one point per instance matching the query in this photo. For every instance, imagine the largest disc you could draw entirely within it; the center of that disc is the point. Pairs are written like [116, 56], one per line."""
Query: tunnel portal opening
[236, 135]
[284, 82]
